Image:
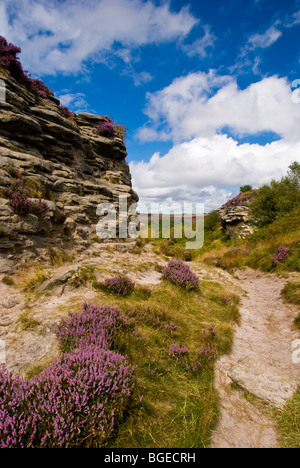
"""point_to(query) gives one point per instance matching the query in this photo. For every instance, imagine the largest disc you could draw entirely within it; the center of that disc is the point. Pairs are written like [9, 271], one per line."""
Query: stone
[264, 381]
[10, 303]
[72, 167]
[235, 220]
[61, 276]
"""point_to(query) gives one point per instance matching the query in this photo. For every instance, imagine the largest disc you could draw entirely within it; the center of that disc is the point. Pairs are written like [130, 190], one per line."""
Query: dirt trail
[264, 337]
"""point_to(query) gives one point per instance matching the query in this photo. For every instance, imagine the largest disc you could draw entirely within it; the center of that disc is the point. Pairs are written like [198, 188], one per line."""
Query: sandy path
[265, 335]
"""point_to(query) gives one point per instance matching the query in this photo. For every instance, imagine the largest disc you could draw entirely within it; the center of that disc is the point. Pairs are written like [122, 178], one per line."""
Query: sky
[207, 89]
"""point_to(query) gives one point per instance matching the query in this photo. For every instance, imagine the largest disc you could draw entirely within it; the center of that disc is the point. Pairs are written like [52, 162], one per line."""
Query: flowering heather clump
[106, 129]
[16, 419]
[210, 333]
[77, 401]
[95, 325]
[20, 202]
[119, 285]
[180, 274]
[281, 255]
[10, 61]
[206, 355]
[240, 200]
[177, 352]
[66, 112]
[40, 89]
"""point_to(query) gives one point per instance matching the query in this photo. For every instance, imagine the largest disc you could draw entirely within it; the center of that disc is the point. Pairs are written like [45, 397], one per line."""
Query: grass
[289, 423]
[58, 257]
[35, 280]
[178, 410]
[27, 323]
[8, 281]
[256, 250]
[291, 294]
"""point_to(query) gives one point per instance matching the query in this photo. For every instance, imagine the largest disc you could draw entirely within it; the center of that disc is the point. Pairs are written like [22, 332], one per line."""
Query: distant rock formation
[60, 159]
[235, 216]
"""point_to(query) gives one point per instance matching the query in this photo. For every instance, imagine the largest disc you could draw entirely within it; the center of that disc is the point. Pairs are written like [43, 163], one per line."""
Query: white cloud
[266, 39]
[74, 101]
[60, 36]
[207, 169]
[200, 46]
[204, 164]
[201, 105]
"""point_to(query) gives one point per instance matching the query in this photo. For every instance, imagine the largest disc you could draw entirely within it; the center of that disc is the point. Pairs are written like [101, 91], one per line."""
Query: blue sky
[205, 88]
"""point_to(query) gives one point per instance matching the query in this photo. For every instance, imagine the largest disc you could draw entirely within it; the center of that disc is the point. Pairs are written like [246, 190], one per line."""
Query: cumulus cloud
[209, 170]
[60, 36]
[203, 104]
[198, 112]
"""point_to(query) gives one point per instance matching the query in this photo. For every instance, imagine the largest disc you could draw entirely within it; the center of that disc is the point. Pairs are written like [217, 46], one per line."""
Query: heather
[110, 129]
[79, 399]
[75, 402]
[21, 204]
[120, 285]
[280, 256]
[177, 336]
[181, 274]
[95, 325]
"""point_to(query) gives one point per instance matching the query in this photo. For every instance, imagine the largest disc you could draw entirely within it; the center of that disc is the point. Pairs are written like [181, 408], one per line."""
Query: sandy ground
[265, 335]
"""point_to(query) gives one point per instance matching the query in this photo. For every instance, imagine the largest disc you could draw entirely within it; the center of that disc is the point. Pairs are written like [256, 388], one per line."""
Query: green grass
[291, 294]
[8, 281]
[289, 423]
[178, 410]
[256, 250]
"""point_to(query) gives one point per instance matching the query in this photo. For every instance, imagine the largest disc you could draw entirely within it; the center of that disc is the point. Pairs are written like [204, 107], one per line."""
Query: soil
[264, 337]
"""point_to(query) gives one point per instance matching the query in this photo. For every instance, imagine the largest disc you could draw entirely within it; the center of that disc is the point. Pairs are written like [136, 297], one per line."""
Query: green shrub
[278, 198]
[8, 281]
[246, 188]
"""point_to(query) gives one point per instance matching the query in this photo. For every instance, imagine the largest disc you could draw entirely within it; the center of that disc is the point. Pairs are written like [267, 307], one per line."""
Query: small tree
[246, 188]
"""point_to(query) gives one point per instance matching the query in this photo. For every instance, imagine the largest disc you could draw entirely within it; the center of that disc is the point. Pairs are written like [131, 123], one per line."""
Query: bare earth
[263, 348]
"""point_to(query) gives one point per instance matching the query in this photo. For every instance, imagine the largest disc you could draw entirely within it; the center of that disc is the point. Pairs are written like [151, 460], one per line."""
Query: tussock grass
[291, 294]
[32, 281]
[289, 423]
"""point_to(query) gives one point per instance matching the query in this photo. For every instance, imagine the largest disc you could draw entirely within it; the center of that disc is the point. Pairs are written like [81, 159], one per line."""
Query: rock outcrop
[61, 160]
[235, 217]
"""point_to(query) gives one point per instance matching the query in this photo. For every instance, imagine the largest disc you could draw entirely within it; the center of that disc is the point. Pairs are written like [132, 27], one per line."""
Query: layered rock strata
[59, 159]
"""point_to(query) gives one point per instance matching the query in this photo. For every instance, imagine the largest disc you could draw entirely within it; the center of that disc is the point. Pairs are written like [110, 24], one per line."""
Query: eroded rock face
[77, 170]
[236, 221]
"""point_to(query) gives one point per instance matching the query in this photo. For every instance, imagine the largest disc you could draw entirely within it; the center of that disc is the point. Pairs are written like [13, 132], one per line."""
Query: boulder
[264, 381]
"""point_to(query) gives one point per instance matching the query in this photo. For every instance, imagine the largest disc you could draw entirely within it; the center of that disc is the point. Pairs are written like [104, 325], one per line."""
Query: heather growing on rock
[21, 204]
[106, 129]
[10, 61]
[180, 274]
